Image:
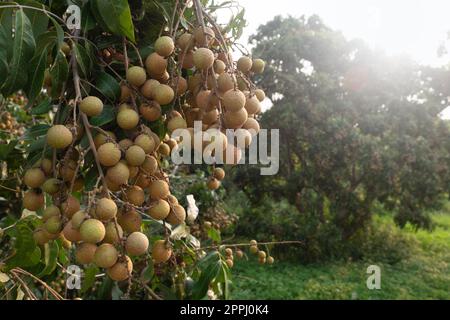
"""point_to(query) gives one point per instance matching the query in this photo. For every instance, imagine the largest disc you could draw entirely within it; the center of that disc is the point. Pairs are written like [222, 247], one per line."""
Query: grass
[424, 275]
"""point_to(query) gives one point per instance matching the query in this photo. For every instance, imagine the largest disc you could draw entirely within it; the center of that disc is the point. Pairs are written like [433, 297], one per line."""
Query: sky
[414, 27]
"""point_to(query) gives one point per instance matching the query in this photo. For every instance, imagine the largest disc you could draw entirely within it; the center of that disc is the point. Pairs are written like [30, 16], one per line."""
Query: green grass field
[424, 275]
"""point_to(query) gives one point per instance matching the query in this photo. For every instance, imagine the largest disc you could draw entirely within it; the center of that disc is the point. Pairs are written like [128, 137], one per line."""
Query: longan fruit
[155, 64]
[262, 254]
[203, 58]
[109, 154]
[130, 221]
[260, 94]
[253, 249]
[135, 155]
[150, 112]
[92, 231]
[50, 211]
[118, 174]
[85, 252]
[213, 184]
[176, 123]
[177, 215]
[185, 41]
[91, 106]
[53, 224]
[124, 144]
[161, 252]
[158, 189]
[150, 165]
[146, 142]
[102, 138]
[234, 100]
[136, 244]
[105, 209]
[70, 206]
[65, 48]
[204, 36]
[46, 165]
[186, 59]
[59, 137]
[258, 66]
[32, 200]
[172, 199]
[164, 46]
[252, 125]
[136, 76]
[229, 263]
[106, 255]
[67, 171]
[253, 242]
[244, 64]
[270, 260]
[125, 93]
[252, 105]
[34, 177]
[135, 195]
[159, 210]
[225, 82]
[121, 270]
[127, 119]
[70, 233]
[181, 85]
[219, 66]
[239, 254]
[234, 120]
[78, 218]
[219, 173]
[229, 251]
[113, 233]
[148, 89]
[164, 94]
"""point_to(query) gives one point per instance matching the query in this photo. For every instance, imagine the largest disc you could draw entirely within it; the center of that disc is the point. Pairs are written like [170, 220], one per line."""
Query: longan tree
[105, 97]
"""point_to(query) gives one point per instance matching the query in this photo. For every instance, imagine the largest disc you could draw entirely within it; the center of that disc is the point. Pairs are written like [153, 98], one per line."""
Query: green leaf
[59, 73]
[210, 267]
[27, 253]
[214, 234]
[89, 278]
[3, 54]
[37, 130]
[59, 32]
[23, 49]
[108, 114]
[116, 16]
[51, 251]
[6, 22]
[83, 60]
[43, 107]
[36, 76]
[87, 20]
[108, 86]
[38, 19]
[5, 149]
[37, 145]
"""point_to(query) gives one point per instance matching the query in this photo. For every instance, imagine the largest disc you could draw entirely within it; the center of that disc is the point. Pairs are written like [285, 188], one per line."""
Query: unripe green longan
[50, 211]
[258, 66]
[51, 186]
[53, 225]
[92, 231]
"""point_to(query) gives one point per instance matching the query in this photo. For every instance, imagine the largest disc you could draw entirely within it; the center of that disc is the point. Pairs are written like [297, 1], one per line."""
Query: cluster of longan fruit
[9, 124]
[262, 255]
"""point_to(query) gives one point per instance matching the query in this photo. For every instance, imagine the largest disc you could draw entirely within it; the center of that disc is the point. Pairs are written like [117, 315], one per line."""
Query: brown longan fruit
[70, 233]
[253, 249]
[261, 254]
[164, 94]
[204, 36]
[46, 165]
[136, 76]
[70, 206]
[239, 253]
[234, 100]
[135, 195]
[158, 189]
[244, 64]
[130, 220]
[92, 231]
[185, 41]
[203, 58]
[67, 171]
[125, 93]
[135, 155]
[270, 260]
[155, 64]
[252, 105]
[164, 149]
[253, 242]
[159, 210]
[150, 112]
[186, 59]
[85, 252]
[113, 233]
[148, 89]
[177, 215]
[105, 209]
[219, 66]
[121, 270]
[103, 138]
[258, 66]
[150, 165]
[225, 82]
[252, 125]
[229, 263]
[109, 154]
[124, 144]
[181, 85]
[176, 123]
[164, 46]
[260, 94]
[118, 174]
[161, 252]
[91, 106]
[146, 142]
[229, 251]
[206, 100]
[172, 199]
[136, 244]
[127, 119]
[234, 120]
[59, 137]
[34, 177]
[210, 117]
[219, 173]
[213, 184]
[106, 255]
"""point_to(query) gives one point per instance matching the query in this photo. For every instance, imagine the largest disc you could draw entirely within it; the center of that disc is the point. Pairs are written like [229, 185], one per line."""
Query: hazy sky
[415, 27]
